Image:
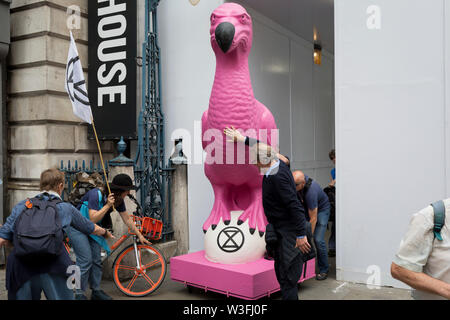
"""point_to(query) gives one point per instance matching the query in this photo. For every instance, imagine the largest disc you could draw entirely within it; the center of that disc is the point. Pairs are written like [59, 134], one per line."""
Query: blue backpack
[439, 218]
[38, 233]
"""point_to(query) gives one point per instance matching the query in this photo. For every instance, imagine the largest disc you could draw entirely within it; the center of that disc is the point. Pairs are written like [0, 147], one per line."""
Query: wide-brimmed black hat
[122, 182]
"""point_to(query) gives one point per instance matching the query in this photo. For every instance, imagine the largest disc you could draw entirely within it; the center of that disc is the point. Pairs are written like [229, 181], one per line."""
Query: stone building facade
[42, 129]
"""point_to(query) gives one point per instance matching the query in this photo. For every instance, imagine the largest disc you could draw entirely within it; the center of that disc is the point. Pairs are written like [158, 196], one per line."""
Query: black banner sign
[112, 67]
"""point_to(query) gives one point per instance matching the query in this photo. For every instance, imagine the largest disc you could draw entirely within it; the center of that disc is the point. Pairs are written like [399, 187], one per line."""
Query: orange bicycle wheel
[138, 282]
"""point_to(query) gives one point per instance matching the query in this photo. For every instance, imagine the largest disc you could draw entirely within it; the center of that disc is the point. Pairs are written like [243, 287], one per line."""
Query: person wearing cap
[96, 206]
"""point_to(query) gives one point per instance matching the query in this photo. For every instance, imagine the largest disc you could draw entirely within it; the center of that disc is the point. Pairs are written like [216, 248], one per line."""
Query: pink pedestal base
[248, 281]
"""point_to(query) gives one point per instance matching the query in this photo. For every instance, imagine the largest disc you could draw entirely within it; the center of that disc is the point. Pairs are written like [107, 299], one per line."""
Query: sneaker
[80, 296]
[332, 253]
[321, 276]
[100, 295]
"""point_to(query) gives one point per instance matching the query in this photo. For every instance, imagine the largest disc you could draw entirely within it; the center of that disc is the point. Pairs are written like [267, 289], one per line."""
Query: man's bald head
[299, 178]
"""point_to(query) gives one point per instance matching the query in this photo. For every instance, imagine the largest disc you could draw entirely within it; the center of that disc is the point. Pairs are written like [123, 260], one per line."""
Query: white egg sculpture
[233, 243]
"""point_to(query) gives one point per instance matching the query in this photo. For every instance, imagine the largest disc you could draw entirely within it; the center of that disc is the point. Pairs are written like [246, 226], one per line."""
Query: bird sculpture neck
[232, 97]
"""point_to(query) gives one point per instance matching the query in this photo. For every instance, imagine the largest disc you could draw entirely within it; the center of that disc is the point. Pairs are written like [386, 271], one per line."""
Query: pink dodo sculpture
[232, 103]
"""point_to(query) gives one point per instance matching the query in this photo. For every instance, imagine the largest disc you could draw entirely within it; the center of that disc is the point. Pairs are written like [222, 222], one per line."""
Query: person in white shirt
[423, 261]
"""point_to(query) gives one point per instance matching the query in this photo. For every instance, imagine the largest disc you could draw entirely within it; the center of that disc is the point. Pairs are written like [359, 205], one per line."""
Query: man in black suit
[287, 229]
[286, 214]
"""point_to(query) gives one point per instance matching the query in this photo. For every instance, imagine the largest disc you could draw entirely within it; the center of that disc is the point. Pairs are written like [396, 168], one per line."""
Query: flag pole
[101, 157]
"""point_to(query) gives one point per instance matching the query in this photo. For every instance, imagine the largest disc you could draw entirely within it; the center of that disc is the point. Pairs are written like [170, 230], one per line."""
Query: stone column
[179, 200]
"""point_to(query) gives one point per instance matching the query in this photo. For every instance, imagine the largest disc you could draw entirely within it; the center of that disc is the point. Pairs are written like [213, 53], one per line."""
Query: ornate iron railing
[152, 175]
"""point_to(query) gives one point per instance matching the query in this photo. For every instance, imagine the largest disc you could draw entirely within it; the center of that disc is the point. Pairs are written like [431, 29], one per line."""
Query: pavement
[329, 289]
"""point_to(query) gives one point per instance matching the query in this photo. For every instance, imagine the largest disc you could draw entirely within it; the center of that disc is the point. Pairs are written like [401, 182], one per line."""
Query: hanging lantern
[317, 54]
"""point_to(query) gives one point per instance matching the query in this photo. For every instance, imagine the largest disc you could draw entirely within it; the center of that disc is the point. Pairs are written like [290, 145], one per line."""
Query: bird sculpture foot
[256, 219]
[218, 212]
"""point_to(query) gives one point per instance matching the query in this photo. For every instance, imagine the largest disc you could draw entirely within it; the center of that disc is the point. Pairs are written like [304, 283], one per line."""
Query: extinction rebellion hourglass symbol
[230, 239]
[75, 91]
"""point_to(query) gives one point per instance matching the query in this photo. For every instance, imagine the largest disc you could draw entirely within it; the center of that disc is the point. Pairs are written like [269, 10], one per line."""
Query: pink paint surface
[232, 103]
[248, 281]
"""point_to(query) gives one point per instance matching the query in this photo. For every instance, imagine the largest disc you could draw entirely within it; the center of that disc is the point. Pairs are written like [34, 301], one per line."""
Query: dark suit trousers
[288, 276]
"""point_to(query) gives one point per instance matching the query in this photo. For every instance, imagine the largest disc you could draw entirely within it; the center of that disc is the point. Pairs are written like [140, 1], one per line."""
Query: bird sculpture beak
[224, 35]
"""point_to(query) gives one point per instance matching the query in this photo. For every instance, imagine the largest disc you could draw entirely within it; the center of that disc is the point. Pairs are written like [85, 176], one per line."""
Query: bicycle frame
[119, 242]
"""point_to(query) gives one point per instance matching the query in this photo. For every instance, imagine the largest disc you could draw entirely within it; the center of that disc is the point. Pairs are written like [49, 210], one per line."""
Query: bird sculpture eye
[213, 19]
[244, 18]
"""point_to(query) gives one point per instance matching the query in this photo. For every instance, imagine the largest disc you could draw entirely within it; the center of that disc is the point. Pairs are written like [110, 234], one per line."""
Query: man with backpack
[39, 261]
[423, 259]
[317, 208]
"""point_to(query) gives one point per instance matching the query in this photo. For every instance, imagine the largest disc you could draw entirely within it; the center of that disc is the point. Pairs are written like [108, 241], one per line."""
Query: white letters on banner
[111, 29]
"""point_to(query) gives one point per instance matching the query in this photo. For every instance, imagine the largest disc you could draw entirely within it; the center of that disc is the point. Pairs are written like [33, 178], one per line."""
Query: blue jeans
[88, 253]
[319, 239]
[54, 287]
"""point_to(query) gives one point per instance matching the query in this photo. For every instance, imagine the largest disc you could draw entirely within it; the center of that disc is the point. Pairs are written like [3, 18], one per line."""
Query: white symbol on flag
[76, 85]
